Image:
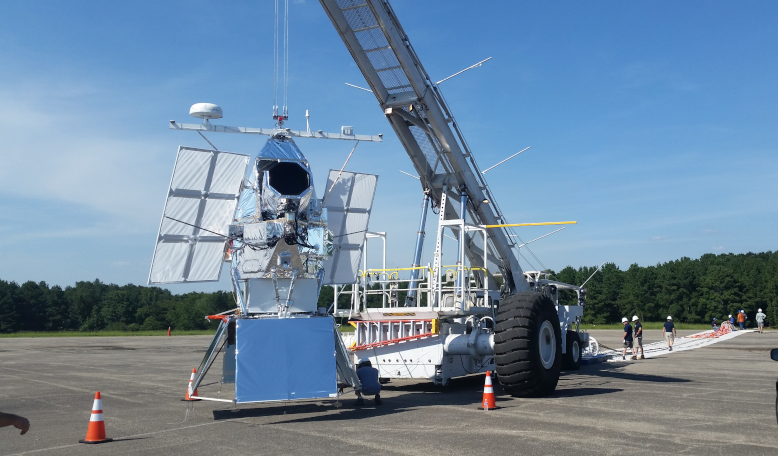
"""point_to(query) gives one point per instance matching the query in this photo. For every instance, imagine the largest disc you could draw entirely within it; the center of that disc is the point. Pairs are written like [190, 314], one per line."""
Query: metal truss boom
[415, 107]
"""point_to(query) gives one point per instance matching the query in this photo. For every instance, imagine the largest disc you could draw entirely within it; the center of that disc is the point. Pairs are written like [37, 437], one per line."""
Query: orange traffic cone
[194, 393]
[488, 402]
[95, 433]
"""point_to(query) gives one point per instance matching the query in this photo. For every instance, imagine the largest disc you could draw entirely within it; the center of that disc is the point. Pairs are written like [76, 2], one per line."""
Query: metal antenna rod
[541, 237]
[468, 68]
[324, 200]
[361, 88]
[206, 140]
[498, 164]
[409, 174]
[593, 273]
[518, 247]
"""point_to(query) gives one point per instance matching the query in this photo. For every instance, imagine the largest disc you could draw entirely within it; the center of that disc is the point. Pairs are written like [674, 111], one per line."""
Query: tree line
[692, 291]
[94, 306]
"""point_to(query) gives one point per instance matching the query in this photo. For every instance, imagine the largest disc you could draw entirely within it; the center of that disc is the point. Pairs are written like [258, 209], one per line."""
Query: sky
[652, 124]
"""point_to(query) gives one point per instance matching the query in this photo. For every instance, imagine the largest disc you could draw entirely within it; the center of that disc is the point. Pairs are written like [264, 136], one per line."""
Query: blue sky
[653, 124]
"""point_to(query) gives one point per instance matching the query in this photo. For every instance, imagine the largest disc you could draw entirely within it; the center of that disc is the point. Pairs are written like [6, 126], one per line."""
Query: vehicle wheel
[528, 345]
[572, 359]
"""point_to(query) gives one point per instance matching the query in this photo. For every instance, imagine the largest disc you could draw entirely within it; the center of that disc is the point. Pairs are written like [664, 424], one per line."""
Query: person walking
[668, 332]
[638, 337]
[627, 339]
[760, 320]
[741, 320]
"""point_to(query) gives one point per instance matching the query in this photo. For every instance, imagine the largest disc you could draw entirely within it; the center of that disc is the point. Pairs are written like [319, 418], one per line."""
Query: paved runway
[714, 400]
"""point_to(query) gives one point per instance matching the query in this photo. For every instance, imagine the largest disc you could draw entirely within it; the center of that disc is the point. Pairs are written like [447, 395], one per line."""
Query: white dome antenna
[206, 111]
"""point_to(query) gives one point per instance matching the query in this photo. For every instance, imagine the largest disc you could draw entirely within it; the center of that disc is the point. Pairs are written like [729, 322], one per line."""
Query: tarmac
[713, 400]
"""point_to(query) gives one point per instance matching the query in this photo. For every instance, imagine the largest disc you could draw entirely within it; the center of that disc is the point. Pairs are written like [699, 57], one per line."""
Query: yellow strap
[530, 224]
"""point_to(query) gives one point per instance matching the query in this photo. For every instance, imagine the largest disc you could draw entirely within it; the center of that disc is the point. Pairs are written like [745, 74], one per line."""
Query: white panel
[168, 270]
[227, 166]
[202, 198]
[191, 169]
[262, 295]
[184, 209]
[218, 215]
[363, 191]
[206, 261]
[348, 214]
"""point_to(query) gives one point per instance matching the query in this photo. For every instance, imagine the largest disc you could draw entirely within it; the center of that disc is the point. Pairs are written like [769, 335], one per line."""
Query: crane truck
[261, 215]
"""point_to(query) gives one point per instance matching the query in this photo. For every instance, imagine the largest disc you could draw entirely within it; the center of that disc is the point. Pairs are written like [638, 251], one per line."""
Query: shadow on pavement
[605, 370]
[459, 391]
[410, 395]
[579, 392]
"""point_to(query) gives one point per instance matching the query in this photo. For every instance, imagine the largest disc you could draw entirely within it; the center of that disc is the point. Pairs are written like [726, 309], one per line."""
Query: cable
[286, 57]
[199, 227]
[275, 64]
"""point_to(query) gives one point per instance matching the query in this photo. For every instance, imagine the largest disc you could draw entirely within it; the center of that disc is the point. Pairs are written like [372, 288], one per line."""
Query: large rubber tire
[572, 359]
[528, 345]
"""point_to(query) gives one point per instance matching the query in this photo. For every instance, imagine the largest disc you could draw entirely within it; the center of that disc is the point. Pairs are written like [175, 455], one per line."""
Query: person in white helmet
[627, 339]
[638, 338]
[760, 320]
[732, 322]
[368, 377]
[668, 332]
[741, 320]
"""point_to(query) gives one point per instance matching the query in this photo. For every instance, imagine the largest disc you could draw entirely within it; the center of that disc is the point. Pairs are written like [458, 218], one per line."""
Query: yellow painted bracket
[435, 326]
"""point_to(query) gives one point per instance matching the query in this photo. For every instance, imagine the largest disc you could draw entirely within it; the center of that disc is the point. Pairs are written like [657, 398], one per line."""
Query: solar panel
[348, 213]
[200, 205]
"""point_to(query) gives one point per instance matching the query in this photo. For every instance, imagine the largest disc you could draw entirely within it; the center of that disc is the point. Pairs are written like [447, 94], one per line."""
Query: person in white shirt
[760, 320]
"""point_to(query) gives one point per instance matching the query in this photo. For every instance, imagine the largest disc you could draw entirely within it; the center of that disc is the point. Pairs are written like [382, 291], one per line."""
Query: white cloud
[54, 149]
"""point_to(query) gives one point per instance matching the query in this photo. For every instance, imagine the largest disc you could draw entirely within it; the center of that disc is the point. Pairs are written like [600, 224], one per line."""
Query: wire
[286, 57]
[478, 368]
[531, 253]
[275, 63]
[355, 232]
[199, 227]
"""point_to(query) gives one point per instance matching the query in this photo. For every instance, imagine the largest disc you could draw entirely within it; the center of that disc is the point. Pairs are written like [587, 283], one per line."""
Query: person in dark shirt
[668, 332]
[638, 338]
[368, 377]
[627, 339]
[713, 324]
